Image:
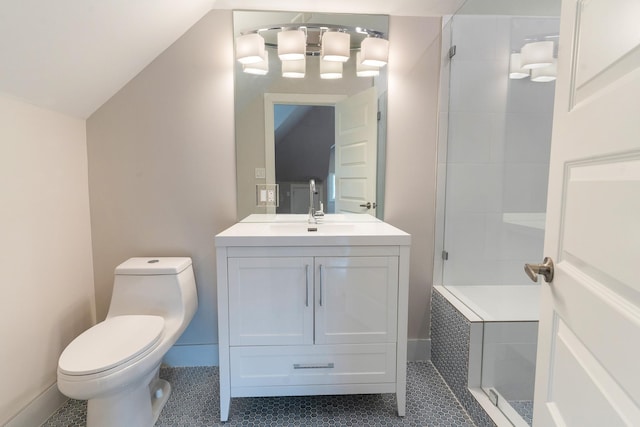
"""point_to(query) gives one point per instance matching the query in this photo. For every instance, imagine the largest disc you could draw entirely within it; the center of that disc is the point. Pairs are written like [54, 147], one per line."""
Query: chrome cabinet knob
[545, 270]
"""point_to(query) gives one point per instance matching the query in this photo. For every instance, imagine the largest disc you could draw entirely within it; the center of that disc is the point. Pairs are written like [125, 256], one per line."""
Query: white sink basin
[332, 228]
[303, 218]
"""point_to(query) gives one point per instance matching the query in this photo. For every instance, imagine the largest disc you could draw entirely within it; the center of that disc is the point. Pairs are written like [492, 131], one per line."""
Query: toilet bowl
[115, 364]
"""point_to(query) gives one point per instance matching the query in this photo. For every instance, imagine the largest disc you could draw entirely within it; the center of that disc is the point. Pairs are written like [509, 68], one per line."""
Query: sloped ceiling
[73, 55]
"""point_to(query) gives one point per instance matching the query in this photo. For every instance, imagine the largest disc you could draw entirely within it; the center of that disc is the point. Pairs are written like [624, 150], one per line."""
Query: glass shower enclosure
[492, 177]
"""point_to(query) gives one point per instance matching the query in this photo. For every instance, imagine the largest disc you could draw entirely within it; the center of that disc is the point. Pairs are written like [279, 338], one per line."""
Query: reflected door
[356, 153]
[587, 366]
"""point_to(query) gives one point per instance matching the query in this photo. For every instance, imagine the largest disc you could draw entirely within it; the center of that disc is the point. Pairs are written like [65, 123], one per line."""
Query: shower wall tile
[470, 137]
[524, 134]
[474, 187]
[450, 338]
[478, 86]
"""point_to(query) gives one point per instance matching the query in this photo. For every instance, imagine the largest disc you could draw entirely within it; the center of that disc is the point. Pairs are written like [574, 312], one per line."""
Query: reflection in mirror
[287, 129]
[304, 149]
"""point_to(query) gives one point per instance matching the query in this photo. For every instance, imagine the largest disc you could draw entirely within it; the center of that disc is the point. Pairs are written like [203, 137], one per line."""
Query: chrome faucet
[313, 214]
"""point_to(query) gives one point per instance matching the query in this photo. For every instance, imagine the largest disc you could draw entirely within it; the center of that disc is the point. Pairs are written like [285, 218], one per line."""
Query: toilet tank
[162, 286]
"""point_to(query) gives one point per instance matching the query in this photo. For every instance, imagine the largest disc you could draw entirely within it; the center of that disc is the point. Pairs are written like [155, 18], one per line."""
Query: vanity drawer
[314, 364]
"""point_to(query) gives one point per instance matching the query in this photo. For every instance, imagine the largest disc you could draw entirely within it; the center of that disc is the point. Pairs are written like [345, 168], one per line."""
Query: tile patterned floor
[524, 408]
[194, 403]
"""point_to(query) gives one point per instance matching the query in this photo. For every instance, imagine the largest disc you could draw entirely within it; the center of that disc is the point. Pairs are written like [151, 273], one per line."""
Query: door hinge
[445, 255]
[379, 115]
[452, 51]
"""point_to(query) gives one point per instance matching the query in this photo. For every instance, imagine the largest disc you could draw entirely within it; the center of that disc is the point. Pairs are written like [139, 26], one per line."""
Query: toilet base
[160, 390]
[138, 406]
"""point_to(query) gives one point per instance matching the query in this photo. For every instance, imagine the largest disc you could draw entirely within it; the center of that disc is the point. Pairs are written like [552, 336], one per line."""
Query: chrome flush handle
[545, 270]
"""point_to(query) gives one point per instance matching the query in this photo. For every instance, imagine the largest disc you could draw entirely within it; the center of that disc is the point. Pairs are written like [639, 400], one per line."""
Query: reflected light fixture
[258, 68]
[331, 43]
[374, 51]
[545, 74]
[294, 69]
[292, 45]
[536, 55]
[515, 67]
[250, 48]
[363, 70]
[336, 46]
[330, 69]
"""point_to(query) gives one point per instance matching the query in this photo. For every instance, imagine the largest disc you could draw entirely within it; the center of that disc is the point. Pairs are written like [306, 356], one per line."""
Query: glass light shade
[545, 74]
[294, 69]
[330, 69]
[249, 48]
[374, 51]
[292, 45]
[258, 68]
[363, 70]
[536, 55]
[336, 46]
[515, 67]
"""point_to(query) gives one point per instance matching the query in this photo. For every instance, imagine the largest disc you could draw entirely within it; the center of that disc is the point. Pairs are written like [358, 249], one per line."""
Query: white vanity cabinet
[318, 314]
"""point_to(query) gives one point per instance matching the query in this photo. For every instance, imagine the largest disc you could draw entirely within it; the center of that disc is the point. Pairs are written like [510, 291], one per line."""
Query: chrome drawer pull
[312, 365]
[306, 274]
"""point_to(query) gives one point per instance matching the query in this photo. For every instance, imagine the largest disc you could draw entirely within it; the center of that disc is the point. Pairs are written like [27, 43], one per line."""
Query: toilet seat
[111, 343]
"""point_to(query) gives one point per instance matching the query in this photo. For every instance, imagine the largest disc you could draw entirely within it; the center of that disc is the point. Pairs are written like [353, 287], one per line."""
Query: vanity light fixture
[294, 69]
[515, 67]
[250, 48]
[332, 43]
[336, 46]
[536, 55]
[545, 74]
[363, 70]
[330, 69]
[258, 68]
[292, 45]
[374, 51]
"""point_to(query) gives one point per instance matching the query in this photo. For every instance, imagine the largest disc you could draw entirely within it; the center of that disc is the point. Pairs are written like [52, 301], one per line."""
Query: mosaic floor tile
[524, 408]
[194, 402]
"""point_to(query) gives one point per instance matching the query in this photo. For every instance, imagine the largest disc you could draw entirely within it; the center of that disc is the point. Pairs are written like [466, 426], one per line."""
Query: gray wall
[162, 167]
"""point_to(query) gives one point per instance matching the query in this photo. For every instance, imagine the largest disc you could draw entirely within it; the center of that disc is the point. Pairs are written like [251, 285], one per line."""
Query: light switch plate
[267, 195]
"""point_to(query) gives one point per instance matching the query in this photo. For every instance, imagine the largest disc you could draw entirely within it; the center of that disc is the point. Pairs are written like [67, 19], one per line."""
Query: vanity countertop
[293, 230]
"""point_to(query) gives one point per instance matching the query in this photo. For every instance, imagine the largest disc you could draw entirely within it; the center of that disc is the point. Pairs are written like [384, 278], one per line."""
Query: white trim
[192, 355]
[39, 409]
[418, 349]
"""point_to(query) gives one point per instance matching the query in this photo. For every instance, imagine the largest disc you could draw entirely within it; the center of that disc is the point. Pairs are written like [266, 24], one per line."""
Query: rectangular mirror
[291, 130]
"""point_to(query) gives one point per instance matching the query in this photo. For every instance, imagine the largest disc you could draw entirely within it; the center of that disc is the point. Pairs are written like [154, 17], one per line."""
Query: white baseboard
[40, 409]
[192, 355]
[419, 349]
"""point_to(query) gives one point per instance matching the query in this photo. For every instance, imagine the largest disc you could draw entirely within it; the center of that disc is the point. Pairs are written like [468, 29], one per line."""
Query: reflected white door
[356, 152]
[588, 363]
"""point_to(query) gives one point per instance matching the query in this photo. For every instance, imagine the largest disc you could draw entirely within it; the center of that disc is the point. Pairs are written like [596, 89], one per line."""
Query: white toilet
[115, 364]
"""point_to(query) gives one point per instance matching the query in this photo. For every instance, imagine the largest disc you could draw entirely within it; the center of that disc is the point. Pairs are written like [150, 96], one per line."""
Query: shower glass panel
[497, 164]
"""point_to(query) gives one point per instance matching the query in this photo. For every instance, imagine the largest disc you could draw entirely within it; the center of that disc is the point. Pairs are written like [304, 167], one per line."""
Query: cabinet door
[270, 301]
[356, 299]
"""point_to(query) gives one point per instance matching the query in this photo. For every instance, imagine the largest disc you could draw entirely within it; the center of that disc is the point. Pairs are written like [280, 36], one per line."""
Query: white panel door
[356, 152]
[588, 362]
[356, 300]
[270, 301]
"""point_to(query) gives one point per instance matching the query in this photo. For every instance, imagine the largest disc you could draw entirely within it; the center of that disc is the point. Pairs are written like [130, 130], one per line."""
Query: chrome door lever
[545, 270]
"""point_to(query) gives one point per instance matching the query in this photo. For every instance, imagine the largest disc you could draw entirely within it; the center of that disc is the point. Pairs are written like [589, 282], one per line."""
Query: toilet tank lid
[150, 266]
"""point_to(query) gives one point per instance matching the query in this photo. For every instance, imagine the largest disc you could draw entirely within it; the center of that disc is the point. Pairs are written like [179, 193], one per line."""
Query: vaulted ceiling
[73, 55]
